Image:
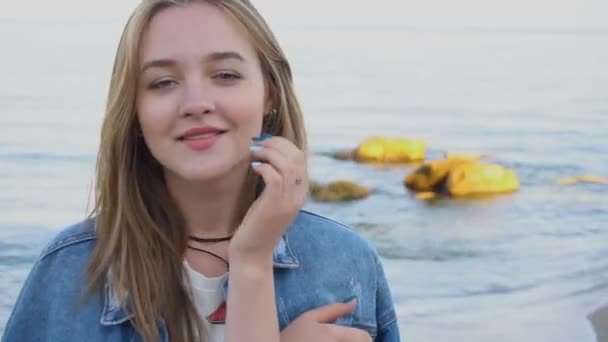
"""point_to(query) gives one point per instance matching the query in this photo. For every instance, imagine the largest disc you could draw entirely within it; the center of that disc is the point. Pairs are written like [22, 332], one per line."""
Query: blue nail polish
[255, 148]
[349, 299]
[262, 137]
[256, 164]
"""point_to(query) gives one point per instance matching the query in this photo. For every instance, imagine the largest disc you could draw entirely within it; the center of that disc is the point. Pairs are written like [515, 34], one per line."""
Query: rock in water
[339, 191]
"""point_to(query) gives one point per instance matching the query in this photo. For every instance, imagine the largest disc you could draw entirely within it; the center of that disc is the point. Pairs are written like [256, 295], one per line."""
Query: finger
[330, 313]
[277, 159]
[272, 179]
[348, 334]
[291, 164]
[283, 145]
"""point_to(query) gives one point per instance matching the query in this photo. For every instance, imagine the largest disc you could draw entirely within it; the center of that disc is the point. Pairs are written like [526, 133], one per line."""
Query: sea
[526, 266]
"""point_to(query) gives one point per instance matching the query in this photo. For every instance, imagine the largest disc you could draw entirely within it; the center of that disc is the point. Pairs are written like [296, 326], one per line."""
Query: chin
[206, 172]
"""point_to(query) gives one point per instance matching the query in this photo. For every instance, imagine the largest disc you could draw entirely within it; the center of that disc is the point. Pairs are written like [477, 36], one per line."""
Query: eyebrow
[213, 57]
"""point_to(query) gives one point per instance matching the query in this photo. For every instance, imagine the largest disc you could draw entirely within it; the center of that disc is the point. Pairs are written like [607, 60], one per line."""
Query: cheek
[154, 115]
[247, 111]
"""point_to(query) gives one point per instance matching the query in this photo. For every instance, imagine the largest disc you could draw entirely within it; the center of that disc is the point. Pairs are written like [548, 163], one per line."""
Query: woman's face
[201, 94]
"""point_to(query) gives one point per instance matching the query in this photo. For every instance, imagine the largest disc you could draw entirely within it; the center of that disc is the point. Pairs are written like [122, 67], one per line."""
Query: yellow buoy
[425, 196]
[467, 156]
[480, 178]
[390, 150]
[431, 175]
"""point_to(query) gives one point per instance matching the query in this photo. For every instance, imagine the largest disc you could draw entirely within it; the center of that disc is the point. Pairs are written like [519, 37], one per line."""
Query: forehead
[196, 28]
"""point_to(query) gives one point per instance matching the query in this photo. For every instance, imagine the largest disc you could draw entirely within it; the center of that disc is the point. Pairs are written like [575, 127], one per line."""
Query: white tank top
[208, 296]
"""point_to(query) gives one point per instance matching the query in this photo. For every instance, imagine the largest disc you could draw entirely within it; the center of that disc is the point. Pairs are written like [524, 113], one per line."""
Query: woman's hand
[283, 167]
[315, 325]
[252, 314]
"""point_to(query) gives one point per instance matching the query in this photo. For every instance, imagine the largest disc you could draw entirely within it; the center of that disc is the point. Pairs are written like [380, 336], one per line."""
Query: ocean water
[522, 267]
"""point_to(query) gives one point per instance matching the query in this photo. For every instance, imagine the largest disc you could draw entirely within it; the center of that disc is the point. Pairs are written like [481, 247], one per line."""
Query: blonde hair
[141, 234]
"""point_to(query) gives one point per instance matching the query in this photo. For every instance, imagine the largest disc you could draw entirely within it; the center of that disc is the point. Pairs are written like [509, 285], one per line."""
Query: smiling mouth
[200, 136]
[202, 141]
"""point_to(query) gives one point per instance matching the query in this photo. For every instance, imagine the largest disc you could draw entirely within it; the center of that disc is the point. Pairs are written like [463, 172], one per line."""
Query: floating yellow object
[390, 150]
[339, 191]
[469, 179]
[432, 175]
[583, 179]
[427, 195]
[467, 156]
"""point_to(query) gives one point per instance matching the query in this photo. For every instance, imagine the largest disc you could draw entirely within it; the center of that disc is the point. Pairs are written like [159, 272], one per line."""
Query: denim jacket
[316, 262]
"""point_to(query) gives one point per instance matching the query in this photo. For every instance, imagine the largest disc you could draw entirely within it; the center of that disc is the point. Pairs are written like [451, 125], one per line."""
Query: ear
[267, 107]
[268, 101]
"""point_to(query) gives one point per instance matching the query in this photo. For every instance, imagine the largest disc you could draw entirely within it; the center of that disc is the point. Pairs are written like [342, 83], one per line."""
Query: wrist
[250, 258]
[251, 268]
[248, 246]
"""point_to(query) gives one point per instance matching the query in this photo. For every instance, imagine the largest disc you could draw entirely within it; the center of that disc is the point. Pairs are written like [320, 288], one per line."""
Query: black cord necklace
[210, 240]
[212, 254]
[219, 315]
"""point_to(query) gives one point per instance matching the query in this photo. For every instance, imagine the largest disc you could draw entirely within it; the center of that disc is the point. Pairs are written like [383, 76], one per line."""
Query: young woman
[197, 232]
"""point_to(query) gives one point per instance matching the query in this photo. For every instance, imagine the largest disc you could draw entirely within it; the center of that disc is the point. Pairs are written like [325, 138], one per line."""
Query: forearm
[251, 305]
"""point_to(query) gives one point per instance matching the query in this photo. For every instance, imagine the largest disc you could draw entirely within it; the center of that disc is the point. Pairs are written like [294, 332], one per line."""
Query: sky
[555, 14]
[443, 13]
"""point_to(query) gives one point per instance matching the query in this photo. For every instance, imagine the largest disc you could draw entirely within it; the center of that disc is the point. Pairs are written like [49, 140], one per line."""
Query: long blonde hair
[141, 236]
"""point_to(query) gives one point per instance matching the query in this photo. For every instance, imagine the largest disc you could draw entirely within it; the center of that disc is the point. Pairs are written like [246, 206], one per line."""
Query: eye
[227, 76]
[161, 84]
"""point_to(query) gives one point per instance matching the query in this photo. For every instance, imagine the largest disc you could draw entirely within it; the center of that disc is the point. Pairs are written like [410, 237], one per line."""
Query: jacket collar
[114, 313]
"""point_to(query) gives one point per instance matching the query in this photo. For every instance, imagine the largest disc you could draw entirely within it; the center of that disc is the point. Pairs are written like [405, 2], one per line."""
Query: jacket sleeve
[388, 329]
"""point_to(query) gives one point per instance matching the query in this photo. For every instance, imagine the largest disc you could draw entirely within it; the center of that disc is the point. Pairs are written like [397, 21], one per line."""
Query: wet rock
[339, 191]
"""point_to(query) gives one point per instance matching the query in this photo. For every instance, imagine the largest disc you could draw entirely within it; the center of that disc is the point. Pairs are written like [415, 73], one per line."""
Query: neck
[215, 208]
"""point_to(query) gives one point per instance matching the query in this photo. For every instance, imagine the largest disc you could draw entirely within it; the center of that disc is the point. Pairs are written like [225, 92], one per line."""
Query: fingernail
[256, 164]
[255, 148]
[349, 299]
[262, 137]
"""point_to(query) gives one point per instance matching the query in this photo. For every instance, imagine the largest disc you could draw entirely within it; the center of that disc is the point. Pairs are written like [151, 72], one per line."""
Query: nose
[197, 100]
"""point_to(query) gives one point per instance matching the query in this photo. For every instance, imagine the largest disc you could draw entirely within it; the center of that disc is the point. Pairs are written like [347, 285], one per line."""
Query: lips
[201, 133]
[201, 138]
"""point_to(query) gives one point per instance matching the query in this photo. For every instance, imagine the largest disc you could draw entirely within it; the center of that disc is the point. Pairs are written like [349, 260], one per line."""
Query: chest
[297, 294]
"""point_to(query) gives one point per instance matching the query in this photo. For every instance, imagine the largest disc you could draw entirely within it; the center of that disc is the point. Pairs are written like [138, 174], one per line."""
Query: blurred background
[526, 80]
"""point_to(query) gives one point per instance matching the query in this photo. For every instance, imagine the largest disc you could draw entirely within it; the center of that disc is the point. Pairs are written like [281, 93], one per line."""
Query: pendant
[219, 315]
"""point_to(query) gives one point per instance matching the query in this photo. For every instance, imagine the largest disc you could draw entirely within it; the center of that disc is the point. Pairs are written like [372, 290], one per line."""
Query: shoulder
[61, 265]
[324, 228]
[320, 234]
[77, 237]
[54, 287]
